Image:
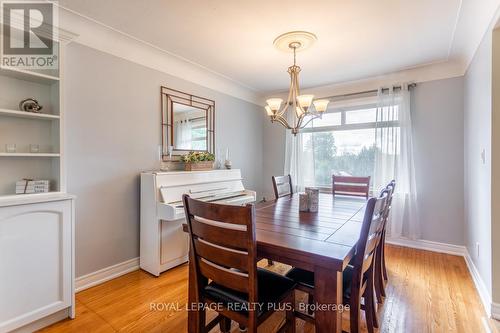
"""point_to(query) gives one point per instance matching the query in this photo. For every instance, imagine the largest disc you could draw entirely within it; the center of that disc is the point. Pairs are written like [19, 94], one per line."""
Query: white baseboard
[481, 288]
[106, 274]
[421, 244]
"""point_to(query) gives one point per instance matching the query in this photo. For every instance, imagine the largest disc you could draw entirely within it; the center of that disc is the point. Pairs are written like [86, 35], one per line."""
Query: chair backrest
[352, 186]
[389, 191]
[223, 245]
[282, 186]
[371, 232]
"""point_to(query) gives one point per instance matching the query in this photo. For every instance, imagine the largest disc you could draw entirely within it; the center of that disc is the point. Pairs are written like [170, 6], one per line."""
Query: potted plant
[197, 161]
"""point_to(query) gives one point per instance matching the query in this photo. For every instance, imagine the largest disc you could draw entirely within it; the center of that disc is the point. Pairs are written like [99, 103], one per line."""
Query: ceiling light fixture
[303, 107]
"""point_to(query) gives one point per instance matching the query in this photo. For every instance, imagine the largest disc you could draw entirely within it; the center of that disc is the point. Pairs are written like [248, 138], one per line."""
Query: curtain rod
[410, 85]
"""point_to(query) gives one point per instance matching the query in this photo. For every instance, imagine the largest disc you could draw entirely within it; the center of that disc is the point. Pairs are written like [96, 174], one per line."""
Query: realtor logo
[28, 34]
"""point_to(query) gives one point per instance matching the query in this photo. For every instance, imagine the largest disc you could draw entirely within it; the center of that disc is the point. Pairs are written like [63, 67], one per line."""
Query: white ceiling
[356, 39]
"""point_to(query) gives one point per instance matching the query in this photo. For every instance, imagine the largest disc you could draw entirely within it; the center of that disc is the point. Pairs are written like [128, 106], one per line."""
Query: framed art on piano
[188, 124]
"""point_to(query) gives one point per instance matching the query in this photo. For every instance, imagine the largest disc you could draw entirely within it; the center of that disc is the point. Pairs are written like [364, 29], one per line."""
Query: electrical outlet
[477, 249]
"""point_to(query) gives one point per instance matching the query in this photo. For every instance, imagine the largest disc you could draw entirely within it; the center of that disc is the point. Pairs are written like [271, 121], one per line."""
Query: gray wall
[477, 120]
[438, 121]
[273, 154]
[438, 124]
[112, 123]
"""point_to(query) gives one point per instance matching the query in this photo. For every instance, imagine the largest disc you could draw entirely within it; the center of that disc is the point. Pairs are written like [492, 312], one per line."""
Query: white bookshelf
[38, 230]
[25, 129]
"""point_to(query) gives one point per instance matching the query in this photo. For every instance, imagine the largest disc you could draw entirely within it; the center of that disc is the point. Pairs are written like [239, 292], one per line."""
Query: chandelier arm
[283, 122]
[298, 90]
[312, 118]
[287, 104]
[293, 88]
[301, 119]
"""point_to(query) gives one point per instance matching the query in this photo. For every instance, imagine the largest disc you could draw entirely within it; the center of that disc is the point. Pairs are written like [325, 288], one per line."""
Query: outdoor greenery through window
[343, 143]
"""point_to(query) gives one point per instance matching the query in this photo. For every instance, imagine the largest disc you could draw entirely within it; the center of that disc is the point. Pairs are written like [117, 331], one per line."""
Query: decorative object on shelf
[29, 186]
[170, 150]
[166, 162]
[313, 194]
[198, 161]
[34, 148]
[10, 148]
[30, 105]
[219, 161]
[227, 162]
[302, 107]
[303, 202]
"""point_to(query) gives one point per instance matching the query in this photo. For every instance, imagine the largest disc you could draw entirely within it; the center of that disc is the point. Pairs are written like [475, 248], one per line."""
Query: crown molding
[98, 36]
[429, 72]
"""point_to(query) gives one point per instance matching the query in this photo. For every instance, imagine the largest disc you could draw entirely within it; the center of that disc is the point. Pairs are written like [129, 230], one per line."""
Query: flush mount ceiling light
[299, 109]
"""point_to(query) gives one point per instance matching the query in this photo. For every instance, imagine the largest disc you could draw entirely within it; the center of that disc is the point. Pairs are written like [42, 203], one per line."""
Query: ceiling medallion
[299, 109]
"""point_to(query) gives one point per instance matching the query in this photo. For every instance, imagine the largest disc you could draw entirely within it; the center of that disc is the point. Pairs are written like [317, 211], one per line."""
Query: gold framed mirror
[188, 124]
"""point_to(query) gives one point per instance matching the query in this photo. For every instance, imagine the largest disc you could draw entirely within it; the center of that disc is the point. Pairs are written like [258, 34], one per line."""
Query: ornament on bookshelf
[228, 163]
[34, 148]
[30, 105]
[10, 148]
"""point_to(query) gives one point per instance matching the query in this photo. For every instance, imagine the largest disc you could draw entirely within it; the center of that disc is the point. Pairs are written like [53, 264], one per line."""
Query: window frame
[349, 127]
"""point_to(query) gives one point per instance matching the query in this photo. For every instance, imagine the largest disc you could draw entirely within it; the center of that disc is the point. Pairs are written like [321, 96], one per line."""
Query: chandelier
[298, 110]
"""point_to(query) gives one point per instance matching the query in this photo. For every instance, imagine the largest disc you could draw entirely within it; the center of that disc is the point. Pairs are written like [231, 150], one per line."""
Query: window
[199, 134]
[343, 142]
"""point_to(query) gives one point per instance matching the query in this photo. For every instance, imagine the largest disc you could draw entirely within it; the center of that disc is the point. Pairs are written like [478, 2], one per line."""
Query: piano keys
[163, 244]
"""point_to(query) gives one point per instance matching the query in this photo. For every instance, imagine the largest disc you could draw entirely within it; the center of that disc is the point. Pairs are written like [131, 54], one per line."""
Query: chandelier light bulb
[305, 101]
[269, 111]
[274, 103]
[321, 105]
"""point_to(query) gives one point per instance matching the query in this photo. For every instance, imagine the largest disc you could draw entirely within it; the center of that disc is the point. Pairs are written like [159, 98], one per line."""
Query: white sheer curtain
[299, 157]
[182, 131]
[394, 160]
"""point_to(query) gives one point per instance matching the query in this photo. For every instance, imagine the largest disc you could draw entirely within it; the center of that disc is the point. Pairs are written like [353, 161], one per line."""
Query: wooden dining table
[321, 242]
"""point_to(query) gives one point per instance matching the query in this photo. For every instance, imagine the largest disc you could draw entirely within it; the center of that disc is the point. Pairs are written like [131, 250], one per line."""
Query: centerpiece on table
[198, 161]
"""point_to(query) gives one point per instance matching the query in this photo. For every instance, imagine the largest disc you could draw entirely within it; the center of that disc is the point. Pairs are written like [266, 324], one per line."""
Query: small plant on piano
[196, 160]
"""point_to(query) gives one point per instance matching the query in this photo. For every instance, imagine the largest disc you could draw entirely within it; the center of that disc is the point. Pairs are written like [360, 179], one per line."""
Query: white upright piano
[163, 243]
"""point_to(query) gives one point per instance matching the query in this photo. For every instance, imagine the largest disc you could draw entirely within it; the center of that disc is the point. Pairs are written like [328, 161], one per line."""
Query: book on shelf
[27, 186]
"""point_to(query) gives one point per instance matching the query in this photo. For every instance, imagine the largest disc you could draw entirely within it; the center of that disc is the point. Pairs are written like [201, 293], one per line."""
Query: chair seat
[306, 278]
[272, 289]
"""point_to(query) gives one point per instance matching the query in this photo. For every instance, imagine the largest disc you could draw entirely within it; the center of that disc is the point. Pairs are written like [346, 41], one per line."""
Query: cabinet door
[35, 262]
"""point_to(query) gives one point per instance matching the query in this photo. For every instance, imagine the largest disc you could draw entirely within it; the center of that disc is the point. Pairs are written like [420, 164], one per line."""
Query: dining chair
[380, 275]
[282, 186]
[357, 278]
[351, 186]
[223, 254]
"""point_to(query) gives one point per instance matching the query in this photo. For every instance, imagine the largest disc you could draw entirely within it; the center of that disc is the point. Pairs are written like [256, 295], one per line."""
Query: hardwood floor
[428, 292]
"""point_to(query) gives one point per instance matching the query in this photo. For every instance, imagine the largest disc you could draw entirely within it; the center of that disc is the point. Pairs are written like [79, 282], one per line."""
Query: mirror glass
[189, 127]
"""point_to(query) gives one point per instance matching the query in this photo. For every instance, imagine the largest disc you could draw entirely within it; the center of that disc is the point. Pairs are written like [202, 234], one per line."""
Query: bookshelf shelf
[30, 115]
[28, 75]
[30, 155]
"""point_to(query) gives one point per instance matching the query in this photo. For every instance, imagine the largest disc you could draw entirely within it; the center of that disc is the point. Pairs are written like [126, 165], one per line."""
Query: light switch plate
[483, 156]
